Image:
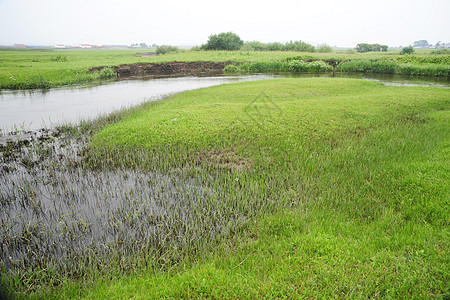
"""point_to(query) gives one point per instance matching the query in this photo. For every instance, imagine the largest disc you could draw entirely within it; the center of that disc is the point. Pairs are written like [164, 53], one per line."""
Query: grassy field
[30, 69]
[317, 188]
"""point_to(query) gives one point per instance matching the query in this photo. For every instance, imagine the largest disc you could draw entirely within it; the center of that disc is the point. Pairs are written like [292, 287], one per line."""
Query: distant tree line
[371, 47]
[143, 46]
[231, 41]
[425, 44]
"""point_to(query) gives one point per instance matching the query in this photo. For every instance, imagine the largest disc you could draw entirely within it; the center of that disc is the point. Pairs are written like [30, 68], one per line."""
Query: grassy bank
[316, 188]
[30, 69]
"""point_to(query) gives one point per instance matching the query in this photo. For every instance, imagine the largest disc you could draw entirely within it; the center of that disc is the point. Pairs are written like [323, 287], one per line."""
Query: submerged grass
[317, 188]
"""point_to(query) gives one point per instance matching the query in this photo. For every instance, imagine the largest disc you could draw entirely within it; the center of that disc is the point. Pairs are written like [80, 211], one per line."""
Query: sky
[342, 23]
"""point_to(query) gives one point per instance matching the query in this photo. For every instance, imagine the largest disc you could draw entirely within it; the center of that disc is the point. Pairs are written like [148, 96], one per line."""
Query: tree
[370, 47]
[420, 44]
[143, 45]
[223, 41]
[407, 50]
[363, 47]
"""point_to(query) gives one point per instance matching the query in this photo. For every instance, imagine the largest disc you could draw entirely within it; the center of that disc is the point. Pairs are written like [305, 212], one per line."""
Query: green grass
[31, 69]
[341, 189]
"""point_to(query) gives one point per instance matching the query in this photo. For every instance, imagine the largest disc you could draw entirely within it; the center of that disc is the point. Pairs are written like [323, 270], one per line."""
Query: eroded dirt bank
[172, 68]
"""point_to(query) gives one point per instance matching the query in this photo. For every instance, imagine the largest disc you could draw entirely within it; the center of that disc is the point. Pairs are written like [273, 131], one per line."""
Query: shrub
[231, 68]
[223, 41]
[407, 50]
[275, 47]
[324, 48]
[164, 49]
[59, 58]
[254, 46]
[314, 66]
[107, 73]
[299, 46]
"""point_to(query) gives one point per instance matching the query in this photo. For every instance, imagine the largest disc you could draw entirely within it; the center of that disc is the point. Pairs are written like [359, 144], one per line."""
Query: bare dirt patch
[176, 68]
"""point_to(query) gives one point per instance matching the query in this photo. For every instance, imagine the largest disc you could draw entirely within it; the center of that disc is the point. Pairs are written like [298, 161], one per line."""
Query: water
[31, 110]
[57, 214]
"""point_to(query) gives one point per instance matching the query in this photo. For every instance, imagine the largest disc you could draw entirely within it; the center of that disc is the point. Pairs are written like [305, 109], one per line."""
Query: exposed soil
[169, 69]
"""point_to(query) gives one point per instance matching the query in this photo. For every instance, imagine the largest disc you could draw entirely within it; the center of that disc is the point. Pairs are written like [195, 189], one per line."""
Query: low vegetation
[316, 188]
[45, 69]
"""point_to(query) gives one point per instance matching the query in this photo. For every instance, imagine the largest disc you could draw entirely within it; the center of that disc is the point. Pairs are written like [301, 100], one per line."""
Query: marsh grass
[327, 159]
[343, 193]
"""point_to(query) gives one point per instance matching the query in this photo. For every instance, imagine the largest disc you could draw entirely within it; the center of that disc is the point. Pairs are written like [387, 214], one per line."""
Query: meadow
[307, 188]
[31, 69]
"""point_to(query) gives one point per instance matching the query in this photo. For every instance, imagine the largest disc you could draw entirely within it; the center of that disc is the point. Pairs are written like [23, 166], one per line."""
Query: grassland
[319, 188]
[30, 69]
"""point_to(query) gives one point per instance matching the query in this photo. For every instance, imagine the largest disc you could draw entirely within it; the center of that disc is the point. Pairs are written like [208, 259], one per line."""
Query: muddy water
[31, 110]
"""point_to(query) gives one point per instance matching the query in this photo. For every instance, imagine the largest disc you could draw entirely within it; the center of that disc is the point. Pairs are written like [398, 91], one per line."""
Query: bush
[314, 66]
[59, 58]
[223, 41]
[254, 46]
[231, 68]
[407, 50]
[324, 48]
[107, 73]
[164, 49]
[275, 47]
[299, 46]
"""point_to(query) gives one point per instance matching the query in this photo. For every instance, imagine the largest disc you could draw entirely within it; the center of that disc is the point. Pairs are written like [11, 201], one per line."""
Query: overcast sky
[190, 22]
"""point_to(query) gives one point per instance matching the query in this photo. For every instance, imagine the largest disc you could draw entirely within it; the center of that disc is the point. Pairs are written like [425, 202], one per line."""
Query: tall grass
[392, 67]
[289, 65]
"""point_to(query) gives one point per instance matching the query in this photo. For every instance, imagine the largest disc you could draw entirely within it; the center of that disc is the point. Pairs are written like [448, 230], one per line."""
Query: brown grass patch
[224, 158]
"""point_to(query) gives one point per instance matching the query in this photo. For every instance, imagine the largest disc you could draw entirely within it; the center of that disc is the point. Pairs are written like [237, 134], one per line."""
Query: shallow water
[58, 215]
[31, 110]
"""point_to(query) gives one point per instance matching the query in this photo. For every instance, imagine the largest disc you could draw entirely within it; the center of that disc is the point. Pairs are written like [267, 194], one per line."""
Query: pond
[31, 110]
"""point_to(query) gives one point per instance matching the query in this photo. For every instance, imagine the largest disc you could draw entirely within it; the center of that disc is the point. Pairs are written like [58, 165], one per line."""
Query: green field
[325, 188]
[31, 69]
